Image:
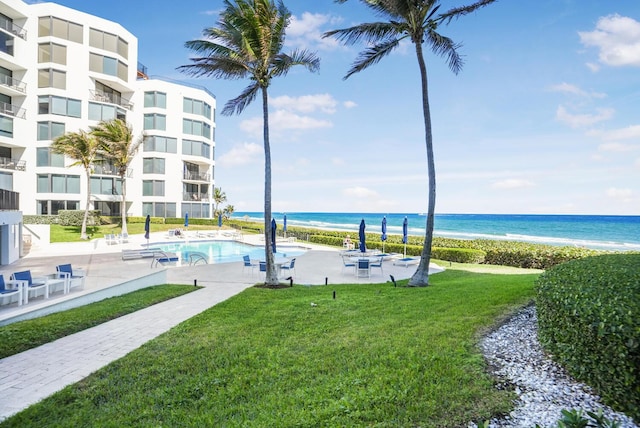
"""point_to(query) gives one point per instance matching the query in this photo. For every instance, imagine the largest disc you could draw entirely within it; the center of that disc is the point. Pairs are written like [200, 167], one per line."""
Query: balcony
[14, 29]
[12, 110]
[13, 164]
[107, 169]
[195, 196]
[196, 176]
[17, 87]
[111, 99]
[9, 200]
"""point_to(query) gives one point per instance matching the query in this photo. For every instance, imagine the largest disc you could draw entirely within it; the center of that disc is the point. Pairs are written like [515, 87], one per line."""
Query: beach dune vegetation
[417, 22]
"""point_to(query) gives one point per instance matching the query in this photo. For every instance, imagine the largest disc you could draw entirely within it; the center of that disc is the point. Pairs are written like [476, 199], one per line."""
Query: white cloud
[349, 104]
[583, 120]
[306, 103]
[305, 32]
[282, 120]
[241, 155]
[338, 161]
[628, 133]
[512, 183]
[359, 192]
[593, 67]
[624, 195]
[616, 147]
[574, 90]
[617, 38]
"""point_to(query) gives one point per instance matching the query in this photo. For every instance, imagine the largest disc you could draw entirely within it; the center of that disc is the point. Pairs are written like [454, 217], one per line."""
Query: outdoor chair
[248, 264]
[288, 267]
[32, 285]
[7, 295]
[73, 277]
[377, 264]
[347, 263]
[363, 269]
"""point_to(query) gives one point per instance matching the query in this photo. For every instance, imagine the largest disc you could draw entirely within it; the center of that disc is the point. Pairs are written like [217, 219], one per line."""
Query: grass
[60, 233]
[373, 356]
[24, 335]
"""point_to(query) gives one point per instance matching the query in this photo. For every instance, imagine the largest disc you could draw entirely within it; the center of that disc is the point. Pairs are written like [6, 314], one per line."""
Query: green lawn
[23, 335]
[373, 356]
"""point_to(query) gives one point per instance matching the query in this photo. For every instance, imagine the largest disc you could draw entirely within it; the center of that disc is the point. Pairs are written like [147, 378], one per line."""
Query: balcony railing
[9, 200]
[195, 196]
[13, 83]
[107, 169]
[111, 98]
[14, 164]
[11, 110]
[14, 29]
[197, 176]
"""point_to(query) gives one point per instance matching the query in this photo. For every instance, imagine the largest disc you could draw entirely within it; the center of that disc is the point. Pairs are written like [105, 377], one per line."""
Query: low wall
[70, 301]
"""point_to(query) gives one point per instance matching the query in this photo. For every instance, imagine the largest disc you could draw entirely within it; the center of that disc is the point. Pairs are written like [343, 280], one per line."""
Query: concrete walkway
[29, 377]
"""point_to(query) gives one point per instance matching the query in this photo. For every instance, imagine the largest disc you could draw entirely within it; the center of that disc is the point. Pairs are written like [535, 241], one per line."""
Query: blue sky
[543, 118]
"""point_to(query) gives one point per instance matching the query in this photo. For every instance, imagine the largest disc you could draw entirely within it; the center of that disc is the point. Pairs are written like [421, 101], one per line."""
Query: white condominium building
[63, 70]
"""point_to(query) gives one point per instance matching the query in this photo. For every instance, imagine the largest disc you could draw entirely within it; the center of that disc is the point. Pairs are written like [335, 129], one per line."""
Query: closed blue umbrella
[219, 220]
[363, 245]
[186, 220]
[284, 225]
[147, 227]
[273, 234]
[383, 237]
[405, 227]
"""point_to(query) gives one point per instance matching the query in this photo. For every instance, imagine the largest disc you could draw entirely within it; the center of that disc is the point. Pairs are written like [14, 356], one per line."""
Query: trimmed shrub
[75, 217]
[459, 255]
[589, 320]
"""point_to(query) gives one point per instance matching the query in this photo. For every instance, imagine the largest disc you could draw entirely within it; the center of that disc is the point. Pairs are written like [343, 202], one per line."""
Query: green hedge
[459, 255]
[589, 320]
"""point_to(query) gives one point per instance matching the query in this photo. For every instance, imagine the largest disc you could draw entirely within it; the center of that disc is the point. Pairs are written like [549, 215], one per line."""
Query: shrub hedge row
[589, 320]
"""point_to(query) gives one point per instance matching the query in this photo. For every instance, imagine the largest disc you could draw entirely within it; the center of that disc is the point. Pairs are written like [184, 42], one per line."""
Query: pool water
[223, 251]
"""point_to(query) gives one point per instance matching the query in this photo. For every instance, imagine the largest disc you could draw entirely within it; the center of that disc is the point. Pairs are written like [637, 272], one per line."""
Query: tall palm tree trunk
[421, 276]
[83, 231]
[272, 275]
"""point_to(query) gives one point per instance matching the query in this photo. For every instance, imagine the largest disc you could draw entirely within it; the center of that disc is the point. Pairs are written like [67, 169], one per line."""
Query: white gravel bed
[544, 388]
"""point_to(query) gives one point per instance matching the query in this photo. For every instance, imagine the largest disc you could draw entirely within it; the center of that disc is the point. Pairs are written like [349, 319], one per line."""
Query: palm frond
[239, 103]
[457, 12]
[368, 32]
[372, 56]
[282, 63]
[445, 47]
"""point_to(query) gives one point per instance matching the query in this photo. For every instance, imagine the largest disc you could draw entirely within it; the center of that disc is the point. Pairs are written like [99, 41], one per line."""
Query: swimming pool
[223, 251]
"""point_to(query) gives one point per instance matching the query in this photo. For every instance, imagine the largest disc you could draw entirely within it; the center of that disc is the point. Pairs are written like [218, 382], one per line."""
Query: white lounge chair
[7, 295]
[406, 261]
[73, 277]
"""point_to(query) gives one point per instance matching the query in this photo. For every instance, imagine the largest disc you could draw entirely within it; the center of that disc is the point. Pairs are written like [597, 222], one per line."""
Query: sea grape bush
[589, 321]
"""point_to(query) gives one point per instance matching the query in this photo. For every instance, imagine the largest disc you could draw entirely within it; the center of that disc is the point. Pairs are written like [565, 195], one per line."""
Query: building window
[6, 43]
[106, 186]
[107, 65]
[196, 210]
[45, 157]
[100, 112]
[155, 143]
[155, 121]
[107, 208]
[52, 52]
[58, 183]
[6, 126]
[109, 42]
[196, 148]
[56, 27]
[53, 207]
[159, 209]
[49, 104]
[6, 181]
[152, 188]
[191, 106]
[155, 99]
[153, 166]
[195, 127]
[50, 130]
[51, 78]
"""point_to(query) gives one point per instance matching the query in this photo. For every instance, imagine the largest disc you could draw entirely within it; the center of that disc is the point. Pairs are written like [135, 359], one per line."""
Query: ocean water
[590, 231]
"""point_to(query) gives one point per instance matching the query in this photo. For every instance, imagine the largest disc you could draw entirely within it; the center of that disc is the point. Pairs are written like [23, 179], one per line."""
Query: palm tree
[218, 197]
[227, 212]
[247, 43]
[117, 143]
[82, 147]
[418, 21]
